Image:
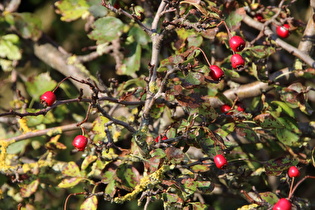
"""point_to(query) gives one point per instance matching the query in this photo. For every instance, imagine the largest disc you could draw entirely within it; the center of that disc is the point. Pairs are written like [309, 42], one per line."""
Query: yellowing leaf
[71, 170]
[28, 190]
[72, 9]
[90, 203]
[70, 182]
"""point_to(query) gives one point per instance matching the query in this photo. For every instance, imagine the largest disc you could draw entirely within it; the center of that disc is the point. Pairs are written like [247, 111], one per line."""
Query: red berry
[237, 61]
[216, 72]
[158, 138]
[293, 172]
[237, 43]
[220, 161]
[80, 142]
[282, 204]
[240, 109]
[48, 98]
[225, 108]
[283, 31]
[259, 17]
[116, 5]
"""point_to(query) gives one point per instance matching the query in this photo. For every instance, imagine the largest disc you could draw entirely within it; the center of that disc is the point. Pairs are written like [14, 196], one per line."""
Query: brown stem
[297, 184]
[66, 201]
[49, 131]
[269, 33]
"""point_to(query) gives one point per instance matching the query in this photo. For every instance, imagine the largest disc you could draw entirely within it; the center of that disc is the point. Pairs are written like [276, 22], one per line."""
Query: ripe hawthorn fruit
[216, 72]
[158, 138]
[237, 43]
[282, 204]
[237, 61]
[240, 109]
[259, 17]
[225, 108]
[80, 142]
[294, 172]
[48, 98]
[283, 31]
[219, 161]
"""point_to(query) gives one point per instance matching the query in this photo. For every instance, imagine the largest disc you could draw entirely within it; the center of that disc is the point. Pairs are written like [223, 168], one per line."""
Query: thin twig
[118, 122]
[50, 131]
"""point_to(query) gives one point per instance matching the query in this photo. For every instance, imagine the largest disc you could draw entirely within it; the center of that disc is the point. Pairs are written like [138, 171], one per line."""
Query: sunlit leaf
[9, 47]
[87, 161]
[28, 190]
[70, 182]
[40, 84]
[72, 9]
[71, 169]
[90, 203]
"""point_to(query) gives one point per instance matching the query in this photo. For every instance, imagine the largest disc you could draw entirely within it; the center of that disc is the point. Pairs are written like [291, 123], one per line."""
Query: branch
[115, 121]
[306, 43]
[156, 46]
[49, 131]
[67, 101]
[133, 17]
[269, 33]
[51, 54]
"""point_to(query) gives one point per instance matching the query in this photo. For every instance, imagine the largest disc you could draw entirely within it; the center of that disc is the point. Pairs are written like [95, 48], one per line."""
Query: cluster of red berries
[284, 203]
[226, 108]
[237, 44]
[48, 99]
[158, 138]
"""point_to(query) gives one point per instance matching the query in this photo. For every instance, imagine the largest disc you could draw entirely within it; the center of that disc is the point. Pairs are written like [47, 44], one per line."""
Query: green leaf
[33, 121]
[40, 84]
[27, 190]
[287, 137]
[72, 9]
[6, 65]
[288, 110]
[90, 203]
[28, 26]
[70, 182]
[198, 206]
[131, 62]
[274, 167]
[199, 168]
[110, 189]
[233, 19]
[139, 35]
[269, 197]
[108, 176]
[106, 29]
[96, 10]
[71, 170]
[126, 175]
[9, 47]
[261, 51]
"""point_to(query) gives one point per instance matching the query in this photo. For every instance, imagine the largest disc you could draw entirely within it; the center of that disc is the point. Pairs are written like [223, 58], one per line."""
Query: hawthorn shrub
[111, 104]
